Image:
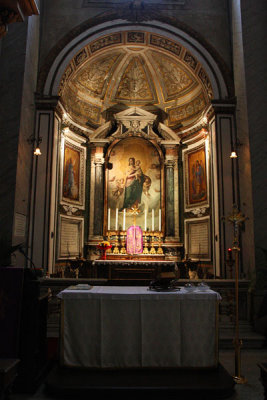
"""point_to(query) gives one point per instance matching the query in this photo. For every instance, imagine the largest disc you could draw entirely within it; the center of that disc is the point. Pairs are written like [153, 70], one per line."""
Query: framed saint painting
[195, 178]
[73, 174]
[134, 181]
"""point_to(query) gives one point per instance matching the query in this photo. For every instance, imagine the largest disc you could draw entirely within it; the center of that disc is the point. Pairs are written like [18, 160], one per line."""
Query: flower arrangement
[104, 244]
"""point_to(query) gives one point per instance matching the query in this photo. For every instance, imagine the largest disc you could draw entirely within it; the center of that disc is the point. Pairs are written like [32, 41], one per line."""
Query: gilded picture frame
[196, 185]
[72, 191]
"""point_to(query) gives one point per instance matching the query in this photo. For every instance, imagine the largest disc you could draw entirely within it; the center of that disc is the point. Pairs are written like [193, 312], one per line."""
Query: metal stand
[236, 219]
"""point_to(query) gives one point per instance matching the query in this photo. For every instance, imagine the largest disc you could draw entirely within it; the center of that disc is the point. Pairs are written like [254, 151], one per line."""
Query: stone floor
[250, 358]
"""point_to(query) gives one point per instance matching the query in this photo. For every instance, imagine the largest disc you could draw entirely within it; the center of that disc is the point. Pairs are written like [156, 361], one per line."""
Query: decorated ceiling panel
[135, 68]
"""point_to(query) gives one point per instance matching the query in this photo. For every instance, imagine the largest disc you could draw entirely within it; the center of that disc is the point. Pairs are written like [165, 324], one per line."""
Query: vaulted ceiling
[148, 71]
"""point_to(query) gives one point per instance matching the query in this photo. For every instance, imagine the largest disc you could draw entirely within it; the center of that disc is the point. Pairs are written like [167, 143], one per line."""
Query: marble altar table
[133, 327]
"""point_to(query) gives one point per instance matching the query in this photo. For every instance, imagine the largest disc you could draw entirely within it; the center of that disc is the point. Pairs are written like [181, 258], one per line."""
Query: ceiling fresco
[135, 69]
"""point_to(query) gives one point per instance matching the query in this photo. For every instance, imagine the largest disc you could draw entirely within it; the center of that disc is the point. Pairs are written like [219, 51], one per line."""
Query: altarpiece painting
[72, 191]
[134, 181]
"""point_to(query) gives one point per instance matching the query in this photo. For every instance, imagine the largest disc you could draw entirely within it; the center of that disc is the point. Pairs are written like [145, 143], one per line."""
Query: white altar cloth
[133, 327]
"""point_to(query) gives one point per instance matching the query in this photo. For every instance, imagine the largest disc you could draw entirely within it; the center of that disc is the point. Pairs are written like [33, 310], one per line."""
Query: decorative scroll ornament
[70, 209]
[199, 212]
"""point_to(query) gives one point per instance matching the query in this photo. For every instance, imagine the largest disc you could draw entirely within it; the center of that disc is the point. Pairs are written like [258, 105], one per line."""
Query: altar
[133, 327]
[124, 269]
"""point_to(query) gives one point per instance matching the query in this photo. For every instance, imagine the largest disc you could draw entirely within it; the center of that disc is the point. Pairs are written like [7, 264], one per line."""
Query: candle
[153, 220]
[109, 219]
[159, 220]
[124, 216]
[145, 219]
[116, 221]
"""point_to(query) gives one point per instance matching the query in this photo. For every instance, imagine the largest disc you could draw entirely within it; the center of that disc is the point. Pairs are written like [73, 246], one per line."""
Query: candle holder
[152, 250]
[160, 251]
[145, 250]
[123, 241]
[116, 248]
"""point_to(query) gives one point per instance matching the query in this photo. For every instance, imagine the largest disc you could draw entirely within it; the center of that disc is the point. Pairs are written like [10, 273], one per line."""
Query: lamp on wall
[233, 154]
[37, 141]
[234, 148]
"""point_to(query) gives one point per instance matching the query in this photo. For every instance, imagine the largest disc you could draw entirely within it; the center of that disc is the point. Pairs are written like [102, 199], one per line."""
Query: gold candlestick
[116, 248]
[123, 249]
[152, 250]
[236, 218]
[160, 251]
[145, 251]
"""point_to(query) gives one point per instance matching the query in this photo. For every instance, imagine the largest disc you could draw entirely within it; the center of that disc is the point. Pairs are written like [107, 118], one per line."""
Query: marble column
[99, 196]
[169, 199]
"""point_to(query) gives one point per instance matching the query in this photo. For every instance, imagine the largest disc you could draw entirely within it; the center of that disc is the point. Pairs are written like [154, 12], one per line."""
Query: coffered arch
[51, 74]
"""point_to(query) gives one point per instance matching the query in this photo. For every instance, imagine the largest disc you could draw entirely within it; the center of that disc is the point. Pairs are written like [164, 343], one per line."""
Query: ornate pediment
[135, 122]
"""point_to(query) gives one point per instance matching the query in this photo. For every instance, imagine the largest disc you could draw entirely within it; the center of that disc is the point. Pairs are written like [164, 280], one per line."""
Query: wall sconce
[233, 154]
[37, 141]
[235, 146]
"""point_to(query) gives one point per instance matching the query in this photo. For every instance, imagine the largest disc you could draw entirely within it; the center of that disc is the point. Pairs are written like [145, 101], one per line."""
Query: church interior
[133, 198]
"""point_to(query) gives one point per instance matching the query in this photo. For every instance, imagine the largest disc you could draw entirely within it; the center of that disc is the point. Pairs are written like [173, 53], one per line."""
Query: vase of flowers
[104, 246]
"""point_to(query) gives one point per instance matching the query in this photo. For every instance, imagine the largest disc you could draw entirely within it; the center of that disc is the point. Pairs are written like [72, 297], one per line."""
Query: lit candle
[124, 217]
[153, 220]
[159, 220]
[116, 221]
[145, 219]
[109, 219]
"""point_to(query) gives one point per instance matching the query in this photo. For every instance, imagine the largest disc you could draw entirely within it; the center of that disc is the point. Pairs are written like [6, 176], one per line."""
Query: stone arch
[61, 55]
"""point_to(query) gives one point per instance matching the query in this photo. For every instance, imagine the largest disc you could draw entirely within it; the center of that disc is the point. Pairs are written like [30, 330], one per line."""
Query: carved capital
[169, 163]
[98, 161]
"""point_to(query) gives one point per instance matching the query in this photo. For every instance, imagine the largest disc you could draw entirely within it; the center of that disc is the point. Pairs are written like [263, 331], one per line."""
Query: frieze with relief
[105, 42]
[187, 110]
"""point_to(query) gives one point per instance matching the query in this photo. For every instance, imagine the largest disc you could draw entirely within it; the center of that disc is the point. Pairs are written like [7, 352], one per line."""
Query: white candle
[159, 220]
[116, 221]
[153, 220]
[145, 219]
[109, 219]
[124, 217]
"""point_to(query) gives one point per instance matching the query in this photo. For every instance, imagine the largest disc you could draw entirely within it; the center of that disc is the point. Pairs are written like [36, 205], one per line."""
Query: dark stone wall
[254, 17]
[208, 18]
[18, 75]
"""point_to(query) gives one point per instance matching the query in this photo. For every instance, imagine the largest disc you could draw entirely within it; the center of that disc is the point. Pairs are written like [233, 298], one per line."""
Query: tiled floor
[252, 390]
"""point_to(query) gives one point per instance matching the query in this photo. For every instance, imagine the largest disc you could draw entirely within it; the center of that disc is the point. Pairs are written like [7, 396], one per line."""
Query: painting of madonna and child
[134, 180]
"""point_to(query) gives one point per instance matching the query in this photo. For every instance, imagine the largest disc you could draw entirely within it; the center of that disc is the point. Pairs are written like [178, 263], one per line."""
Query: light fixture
[37, 151]
[233, 154]
[32, 140]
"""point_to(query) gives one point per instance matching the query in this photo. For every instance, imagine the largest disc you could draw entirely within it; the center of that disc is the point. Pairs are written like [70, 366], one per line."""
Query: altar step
[194, 384]
[250, 338]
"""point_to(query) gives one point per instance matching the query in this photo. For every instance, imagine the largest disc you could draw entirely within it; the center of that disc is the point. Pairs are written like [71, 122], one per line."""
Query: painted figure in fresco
[198, 180]
[117, 192]
[133, 184]
[69, 187]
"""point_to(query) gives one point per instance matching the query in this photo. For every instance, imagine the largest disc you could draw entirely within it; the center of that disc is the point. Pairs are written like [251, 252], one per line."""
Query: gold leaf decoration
[93, 76]
[176, 81]
[135, 84]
